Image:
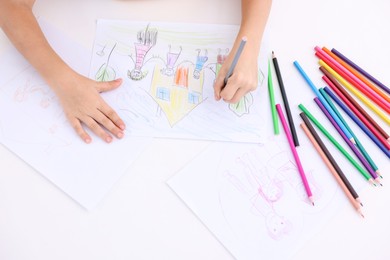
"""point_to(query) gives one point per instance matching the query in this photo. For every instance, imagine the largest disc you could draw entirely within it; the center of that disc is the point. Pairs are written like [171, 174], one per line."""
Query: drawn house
[178, 95]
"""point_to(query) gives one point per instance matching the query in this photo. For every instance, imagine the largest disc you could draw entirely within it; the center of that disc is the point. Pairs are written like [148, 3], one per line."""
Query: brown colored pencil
[330, 157]
[328, 163]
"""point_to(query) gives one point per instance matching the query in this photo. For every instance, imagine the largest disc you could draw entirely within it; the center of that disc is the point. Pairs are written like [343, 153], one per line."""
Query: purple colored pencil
[356, 67]
[350, 144]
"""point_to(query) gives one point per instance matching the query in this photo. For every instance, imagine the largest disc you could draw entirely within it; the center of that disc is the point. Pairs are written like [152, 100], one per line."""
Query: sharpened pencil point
[353, 140]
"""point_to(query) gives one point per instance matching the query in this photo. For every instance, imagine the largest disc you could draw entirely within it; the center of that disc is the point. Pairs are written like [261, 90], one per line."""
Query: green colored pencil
[272, 100]
[365, 174]
[358, 143]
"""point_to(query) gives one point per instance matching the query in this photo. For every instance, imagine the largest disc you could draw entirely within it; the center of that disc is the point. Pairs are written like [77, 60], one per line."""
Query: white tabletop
[142, 218]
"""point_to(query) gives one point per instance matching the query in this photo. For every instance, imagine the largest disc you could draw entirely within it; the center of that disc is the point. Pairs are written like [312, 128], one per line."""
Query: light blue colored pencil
[323, 101]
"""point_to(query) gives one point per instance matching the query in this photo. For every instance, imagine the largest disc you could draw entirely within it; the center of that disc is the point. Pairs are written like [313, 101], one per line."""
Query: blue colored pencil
[359, 123]
[358, 143]
[321, 98]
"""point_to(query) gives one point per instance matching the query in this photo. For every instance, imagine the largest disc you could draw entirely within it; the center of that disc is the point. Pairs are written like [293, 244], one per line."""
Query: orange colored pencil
[357, 74]
[376, 99]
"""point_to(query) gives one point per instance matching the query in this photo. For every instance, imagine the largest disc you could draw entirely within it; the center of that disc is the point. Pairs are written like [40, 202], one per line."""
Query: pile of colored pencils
[344, 77]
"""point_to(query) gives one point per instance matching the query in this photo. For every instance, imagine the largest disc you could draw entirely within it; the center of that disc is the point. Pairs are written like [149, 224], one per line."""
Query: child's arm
[78, 95]
[245, 75]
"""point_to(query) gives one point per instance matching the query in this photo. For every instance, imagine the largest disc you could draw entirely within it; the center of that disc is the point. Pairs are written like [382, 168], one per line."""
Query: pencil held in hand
[235, 59]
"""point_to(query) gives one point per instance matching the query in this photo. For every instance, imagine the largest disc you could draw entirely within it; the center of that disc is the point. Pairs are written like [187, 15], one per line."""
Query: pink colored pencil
[357, 74]
[294, 152]
[361, 87]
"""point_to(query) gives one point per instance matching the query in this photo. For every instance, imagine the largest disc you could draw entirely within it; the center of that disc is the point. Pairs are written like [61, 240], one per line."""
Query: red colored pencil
[357, 74]
[353, 105]
[357, 113]
[378, 100]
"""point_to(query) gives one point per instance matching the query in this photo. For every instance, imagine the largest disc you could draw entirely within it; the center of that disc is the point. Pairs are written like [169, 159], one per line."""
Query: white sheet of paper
[252, 199]
[168, 71]
[34, 127]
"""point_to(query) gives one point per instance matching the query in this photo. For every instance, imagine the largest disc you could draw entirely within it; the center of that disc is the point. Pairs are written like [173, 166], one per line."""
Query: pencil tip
[361, 204]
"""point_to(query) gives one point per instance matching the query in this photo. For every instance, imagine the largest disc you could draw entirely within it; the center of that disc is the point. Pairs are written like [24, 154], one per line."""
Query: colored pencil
[352, 104]
[295, 153]
[349, 143]
[361, 125]
[325, 150]
[325, 92]
[362, 171]
[272, 101]
[235, 59]
[318, 94]
[376, 110]
[357, 74]
[353, 80]
[327, 162]
[285, 100]
[366, 74]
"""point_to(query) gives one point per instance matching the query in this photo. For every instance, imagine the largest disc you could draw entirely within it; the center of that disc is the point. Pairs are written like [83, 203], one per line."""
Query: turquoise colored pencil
[320, 97]
[358, 143]
[272, 101]
[365, 174]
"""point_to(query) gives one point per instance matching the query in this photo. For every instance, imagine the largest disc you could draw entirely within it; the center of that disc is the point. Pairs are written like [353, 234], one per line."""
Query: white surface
[141, 218]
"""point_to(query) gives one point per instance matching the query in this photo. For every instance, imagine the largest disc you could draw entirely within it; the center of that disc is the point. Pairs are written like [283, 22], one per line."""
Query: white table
[141, 218]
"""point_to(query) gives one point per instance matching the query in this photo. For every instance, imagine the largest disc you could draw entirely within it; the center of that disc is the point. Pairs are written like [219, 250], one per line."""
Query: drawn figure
[200, 61]
[40, 90]
[105, 72]
[264, 190]
[146, 40]
[171, 60]
[220, 60]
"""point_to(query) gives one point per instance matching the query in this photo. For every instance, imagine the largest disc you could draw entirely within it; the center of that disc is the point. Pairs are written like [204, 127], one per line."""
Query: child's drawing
[176, 84]
[252, 197]
[265, 183]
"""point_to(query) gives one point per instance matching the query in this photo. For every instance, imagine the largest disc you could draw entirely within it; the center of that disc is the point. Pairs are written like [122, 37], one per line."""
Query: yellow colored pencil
[365, 100]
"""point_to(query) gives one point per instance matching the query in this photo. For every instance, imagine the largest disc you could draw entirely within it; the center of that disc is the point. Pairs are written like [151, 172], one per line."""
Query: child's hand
[82, 103]
[244, 77]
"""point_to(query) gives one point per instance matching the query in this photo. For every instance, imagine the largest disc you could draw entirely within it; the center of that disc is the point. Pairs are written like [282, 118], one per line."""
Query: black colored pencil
[285, 100]
[330, 157]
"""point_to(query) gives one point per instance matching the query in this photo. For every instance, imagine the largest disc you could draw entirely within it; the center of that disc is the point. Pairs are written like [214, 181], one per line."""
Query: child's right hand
[82, 104]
